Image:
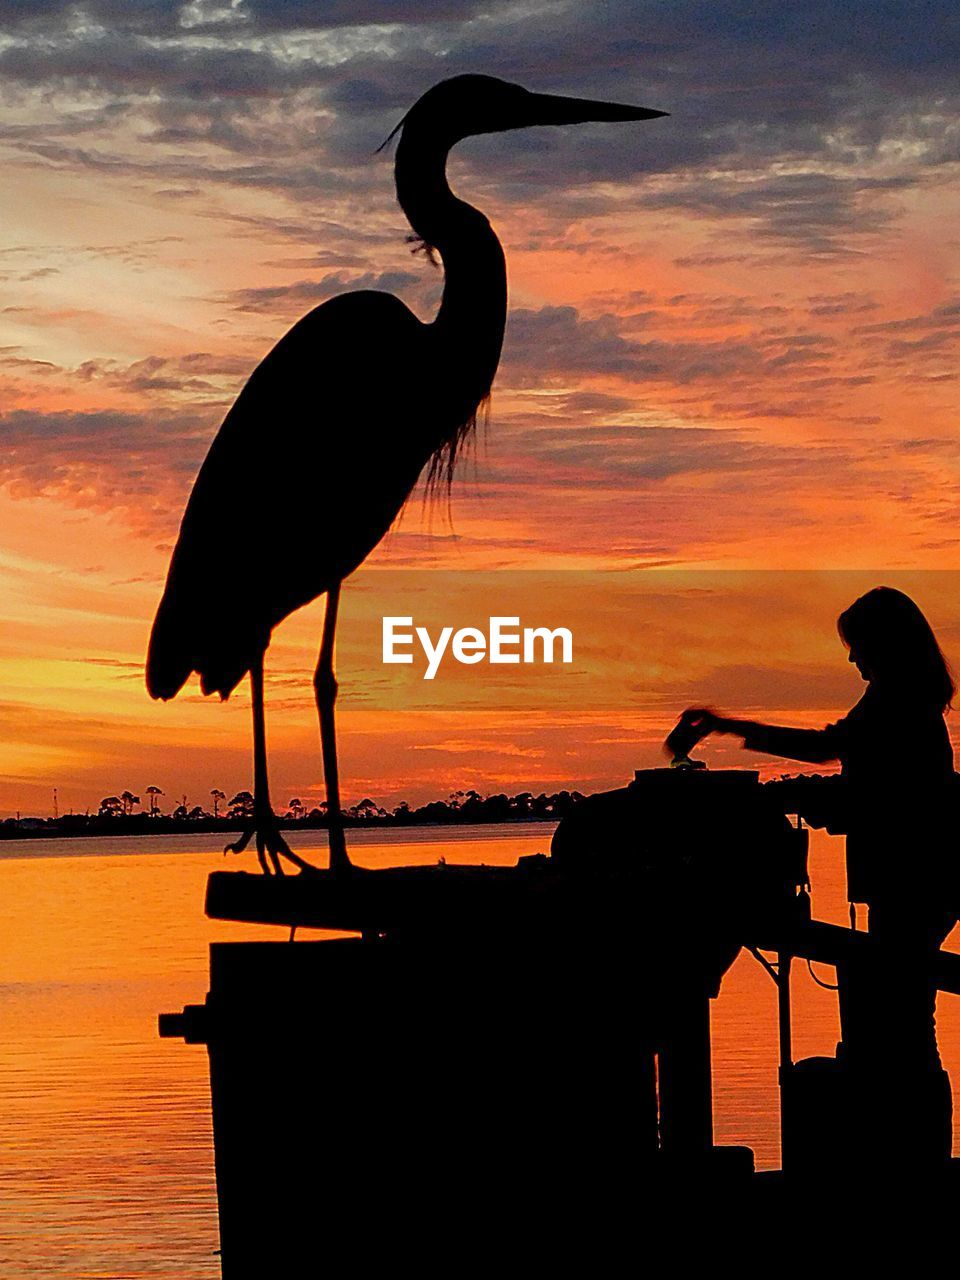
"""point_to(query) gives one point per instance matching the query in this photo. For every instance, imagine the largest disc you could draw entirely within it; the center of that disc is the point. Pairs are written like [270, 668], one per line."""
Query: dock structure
[526, 1041]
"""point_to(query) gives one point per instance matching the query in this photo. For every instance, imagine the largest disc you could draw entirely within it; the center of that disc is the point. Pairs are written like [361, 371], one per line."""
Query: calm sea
[106, 1165]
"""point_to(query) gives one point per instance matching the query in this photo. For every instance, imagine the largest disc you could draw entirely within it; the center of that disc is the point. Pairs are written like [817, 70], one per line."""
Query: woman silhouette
[897, 765]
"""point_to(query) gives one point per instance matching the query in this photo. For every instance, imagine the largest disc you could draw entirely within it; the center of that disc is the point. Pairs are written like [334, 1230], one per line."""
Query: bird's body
[327, 439]
[261, 518]
[360, 393]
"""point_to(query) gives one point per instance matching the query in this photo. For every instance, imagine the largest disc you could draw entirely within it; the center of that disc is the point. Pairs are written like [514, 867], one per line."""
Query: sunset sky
[732, 346]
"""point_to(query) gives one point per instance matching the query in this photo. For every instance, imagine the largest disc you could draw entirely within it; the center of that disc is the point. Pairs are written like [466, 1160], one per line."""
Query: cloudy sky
[732, 339]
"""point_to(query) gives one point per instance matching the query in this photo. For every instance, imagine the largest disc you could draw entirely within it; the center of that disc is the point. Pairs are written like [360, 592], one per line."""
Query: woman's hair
[896, 642]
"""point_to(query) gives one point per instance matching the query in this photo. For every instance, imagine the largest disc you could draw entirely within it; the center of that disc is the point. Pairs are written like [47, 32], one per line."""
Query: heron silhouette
[327, 439]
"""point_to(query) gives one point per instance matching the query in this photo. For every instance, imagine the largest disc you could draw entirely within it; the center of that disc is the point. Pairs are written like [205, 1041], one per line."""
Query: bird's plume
[419, 245]
[391, 135]
[447, 456]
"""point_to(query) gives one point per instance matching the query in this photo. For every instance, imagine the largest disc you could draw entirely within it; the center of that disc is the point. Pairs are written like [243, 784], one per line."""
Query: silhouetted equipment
[720, 867]
[881, 1109]
[327, 439]
[534, 1036]
[501, 1023]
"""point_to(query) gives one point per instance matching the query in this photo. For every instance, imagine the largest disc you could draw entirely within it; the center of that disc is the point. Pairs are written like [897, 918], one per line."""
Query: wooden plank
[831, 944]
[452, 897]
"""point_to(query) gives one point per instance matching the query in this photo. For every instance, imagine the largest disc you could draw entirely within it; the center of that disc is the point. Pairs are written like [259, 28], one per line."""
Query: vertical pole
[784, 962]
[785, 1070]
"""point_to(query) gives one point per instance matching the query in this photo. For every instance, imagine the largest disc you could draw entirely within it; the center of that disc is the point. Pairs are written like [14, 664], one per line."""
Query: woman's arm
[813, 746]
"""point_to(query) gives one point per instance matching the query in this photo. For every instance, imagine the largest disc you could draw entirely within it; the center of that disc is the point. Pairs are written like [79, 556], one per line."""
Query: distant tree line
[124, 814]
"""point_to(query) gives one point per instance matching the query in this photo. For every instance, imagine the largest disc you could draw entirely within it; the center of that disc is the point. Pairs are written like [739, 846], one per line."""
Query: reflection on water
[106, 1164]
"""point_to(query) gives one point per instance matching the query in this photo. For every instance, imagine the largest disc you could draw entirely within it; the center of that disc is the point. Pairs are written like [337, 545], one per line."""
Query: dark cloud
[656, 461]
[559, 341]
[272, 298]
[841, 304]
[136, 465]
[578, 402]
[630, 456]
[197, 375]
[74, 434]
[946, 315]
[714, 259]
[927, 343]
[114, 61]
[132, 15]
[286, 15]
[621, 482]
[808, 121]
[726, 309]
[168, 18]
[825, 212]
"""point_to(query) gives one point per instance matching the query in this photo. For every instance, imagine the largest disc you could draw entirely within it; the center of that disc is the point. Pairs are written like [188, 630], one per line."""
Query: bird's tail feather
[168, 662]
[185, 640]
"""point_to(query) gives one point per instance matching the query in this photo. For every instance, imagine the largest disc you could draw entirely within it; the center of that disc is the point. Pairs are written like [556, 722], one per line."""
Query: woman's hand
[697, 723]
[692, 727]
[704, 720]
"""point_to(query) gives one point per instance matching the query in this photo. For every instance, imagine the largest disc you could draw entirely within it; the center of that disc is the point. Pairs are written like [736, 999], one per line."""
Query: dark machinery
[508, 1038]
[493, 1030]
[714, 864]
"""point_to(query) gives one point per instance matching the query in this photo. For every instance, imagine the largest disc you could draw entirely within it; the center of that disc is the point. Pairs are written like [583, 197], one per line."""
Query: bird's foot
[271, 846]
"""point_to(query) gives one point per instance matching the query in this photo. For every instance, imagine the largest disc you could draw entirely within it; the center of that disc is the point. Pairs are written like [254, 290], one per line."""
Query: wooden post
[686, 1084]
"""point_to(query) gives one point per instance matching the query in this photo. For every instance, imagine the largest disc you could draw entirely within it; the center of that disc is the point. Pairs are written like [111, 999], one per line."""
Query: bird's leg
[270, 843]
[263, 816]
[325, 690]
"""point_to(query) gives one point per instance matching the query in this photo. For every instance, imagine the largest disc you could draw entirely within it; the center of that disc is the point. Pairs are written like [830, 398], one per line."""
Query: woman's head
[893, 645]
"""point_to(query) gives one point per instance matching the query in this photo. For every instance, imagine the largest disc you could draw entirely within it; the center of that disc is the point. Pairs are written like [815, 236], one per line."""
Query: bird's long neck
[470, 323]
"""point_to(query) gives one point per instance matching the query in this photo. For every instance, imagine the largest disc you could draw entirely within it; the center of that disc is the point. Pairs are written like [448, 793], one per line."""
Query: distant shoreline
[143, 825]
[461, 808]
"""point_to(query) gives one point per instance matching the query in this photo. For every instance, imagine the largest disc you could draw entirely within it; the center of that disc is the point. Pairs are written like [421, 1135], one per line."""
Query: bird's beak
[548, 108]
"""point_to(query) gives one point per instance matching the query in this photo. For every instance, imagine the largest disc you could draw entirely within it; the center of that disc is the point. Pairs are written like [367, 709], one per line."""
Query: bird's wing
[309, 469]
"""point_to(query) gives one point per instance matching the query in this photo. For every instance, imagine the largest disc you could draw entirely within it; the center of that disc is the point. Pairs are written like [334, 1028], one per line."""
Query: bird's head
[464, 106]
